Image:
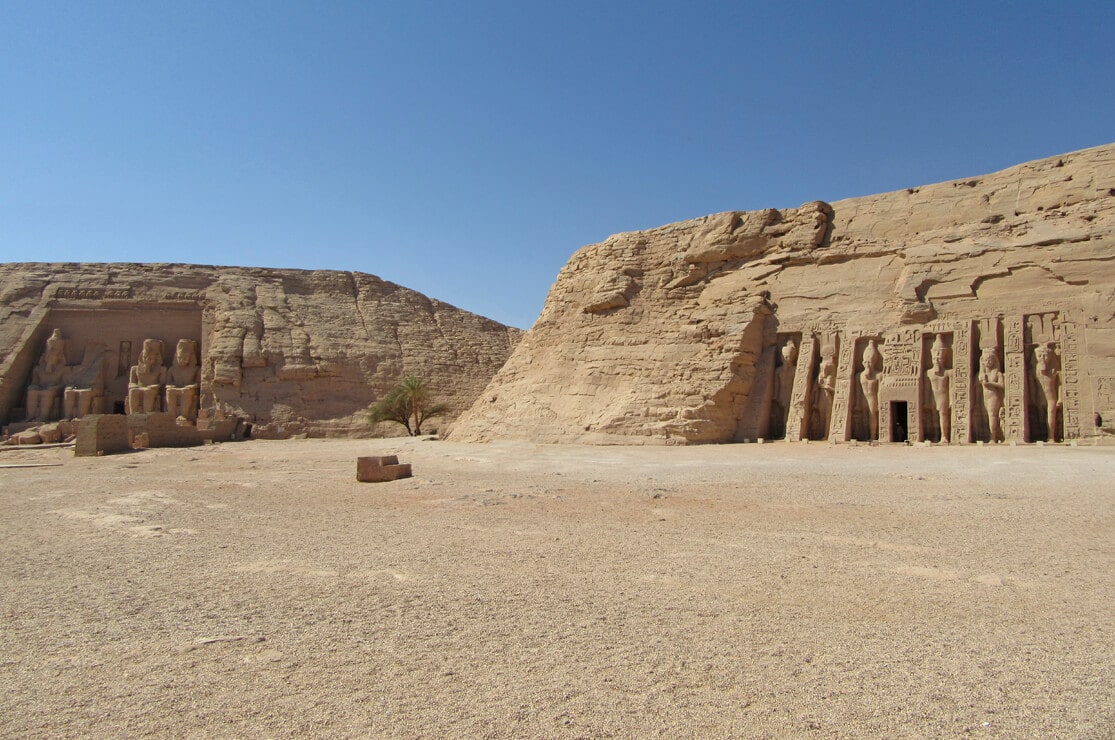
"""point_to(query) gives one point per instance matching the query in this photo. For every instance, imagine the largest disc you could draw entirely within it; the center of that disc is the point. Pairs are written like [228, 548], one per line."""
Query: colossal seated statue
[85, 385]
[47, 379]
[146, 379]
[181, 381]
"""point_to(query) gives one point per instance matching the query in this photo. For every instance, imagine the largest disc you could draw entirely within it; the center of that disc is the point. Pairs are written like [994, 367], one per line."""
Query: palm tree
[409, 403]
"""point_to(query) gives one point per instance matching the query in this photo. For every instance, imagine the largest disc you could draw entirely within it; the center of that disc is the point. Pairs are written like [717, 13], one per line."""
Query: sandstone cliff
[292, 351]
[744, 325]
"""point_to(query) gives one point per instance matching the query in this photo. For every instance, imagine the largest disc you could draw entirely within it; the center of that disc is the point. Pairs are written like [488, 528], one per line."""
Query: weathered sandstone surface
[974, 310]
[291, 351]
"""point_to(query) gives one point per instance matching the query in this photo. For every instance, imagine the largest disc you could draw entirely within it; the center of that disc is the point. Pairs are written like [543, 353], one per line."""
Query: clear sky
[467, 149]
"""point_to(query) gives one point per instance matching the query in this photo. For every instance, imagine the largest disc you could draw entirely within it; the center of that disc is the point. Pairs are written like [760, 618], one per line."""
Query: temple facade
[975, 310]
[289, 351]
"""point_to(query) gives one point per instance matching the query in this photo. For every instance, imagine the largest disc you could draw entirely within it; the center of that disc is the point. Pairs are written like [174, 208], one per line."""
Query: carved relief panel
[961, 383]
[1073, 417]
[840, 423]
[899, 387]
[1014, 353]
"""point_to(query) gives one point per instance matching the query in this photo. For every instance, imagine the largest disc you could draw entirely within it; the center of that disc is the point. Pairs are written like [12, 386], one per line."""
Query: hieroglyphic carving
[124, 357]
[900, 384]
[840, 426]
[884, 422]
[961, 377]
[903, 355]
[1015, 380]
[1070, 379]
[803, 391]
[1103, 399]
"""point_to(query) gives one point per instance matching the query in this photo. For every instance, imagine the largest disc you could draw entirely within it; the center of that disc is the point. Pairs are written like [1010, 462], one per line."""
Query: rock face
[973, 310]
[291, 351]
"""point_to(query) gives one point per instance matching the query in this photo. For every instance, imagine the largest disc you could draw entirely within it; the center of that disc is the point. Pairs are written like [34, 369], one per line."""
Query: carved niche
[785, 372]
[937, 404]
[1043, 366]
[988, 413]
[823, 386]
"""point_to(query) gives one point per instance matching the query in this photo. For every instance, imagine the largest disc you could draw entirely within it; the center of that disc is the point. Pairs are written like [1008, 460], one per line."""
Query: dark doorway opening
[899, 411]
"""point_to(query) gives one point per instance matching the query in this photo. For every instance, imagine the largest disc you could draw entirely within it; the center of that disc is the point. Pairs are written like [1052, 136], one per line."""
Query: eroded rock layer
[974, 310]
[291, 351]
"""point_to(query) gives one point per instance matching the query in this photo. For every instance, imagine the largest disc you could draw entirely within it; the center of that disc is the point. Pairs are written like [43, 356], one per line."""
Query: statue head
[789, 352]
[939, 351]
[55, 353]
[1045, 356]
[152, 353]
[871, 355]
[828, 362]
[990, 361]
[185, 353]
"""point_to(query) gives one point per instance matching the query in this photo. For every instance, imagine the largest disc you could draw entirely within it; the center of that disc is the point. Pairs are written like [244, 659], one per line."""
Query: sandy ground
[514, 590]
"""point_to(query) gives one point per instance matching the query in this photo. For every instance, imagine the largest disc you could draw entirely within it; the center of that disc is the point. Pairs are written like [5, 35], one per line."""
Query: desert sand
[256, 589]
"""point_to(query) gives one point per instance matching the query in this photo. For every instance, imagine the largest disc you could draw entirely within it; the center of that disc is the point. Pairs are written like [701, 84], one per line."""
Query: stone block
[222, 430]
[380, 469]
[162, 430]
[102, 434]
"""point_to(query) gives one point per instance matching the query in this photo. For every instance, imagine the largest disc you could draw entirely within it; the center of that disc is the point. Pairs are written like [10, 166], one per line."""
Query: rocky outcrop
[291, 351]
[746, 325]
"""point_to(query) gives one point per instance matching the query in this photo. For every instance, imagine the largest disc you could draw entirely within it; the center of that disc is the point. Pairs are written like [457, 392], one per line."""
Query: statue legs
[182, 401]
[78, 402]
[1051, 420]
[143, 399]
[40, 403]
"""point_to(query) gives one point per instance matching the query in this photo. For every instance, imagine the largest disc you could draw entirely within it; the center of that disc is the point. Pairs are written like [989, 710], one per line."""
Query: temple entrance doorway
[899, 414]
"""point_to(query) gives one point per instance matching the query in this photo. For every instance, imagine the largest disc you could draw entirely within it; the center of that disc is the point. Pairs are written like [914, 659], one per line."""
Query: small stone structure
[162, 430]
[381, 469]
[102, 434]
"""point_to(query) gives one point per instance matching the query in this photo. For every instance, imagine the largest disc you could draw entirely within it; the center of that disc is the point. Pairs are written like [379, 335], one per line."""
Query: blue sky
[466, 150]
